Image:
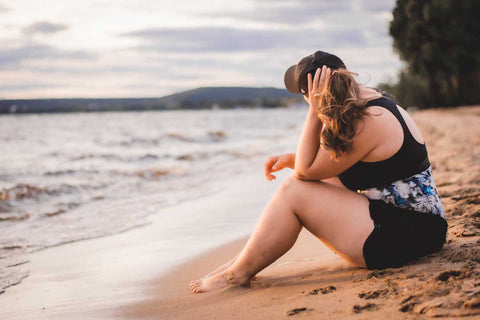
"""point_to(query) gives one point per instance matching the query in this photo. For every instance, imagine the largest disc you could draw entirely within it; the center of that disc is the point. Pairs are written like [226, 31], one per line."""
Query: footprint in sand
[373, 294]
[378, 274]
[297, 311]
[445, 275]
[322, 290]
[366, 307]
[408, 303]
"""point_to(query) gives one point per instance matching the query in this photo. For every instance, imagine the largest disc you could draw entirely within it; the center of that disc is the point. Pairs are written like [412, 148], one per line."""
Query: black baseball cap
[296, 76]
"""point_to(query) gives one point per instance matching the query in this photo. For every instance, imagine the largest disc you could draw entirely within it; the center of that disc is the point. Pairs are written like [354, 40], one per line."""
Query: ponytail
[340, 109]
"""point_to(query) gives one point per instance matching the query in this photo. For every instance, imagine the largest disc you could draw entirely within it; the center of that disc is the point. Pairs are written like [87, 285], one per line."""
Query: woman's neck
[368, 93]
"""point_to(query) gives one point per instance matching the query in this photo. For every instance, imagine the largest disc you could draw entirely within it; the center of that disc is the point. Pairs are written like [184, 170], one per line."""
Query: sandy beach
[119, 277]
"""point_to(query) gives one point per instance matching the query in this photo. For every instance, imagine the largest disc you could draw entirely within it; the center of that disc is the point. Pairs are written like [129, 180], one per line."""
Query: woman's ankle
[237, 277]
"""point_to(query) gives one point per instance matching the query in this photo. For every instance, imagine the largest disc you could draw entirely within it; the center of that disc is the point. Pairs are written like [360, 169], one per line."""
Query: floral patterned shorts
[417, 193]
[409, 221]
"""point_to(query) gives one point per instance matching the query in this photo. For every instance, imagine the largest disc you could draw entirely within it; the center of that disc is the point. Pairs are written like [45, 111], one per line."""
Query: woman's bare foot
[254, 278]
[219, 269]
[218, 281]
[223, 268]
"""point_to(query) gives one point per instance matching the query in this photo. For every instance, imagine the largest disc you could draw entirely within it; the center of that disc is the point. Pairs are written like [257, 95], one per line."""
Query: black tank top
[410, 159]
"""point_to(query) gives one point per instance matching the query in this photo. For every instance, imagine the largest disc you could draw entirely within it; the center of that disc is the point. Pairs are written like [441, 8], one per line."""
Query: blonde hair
[340, 109]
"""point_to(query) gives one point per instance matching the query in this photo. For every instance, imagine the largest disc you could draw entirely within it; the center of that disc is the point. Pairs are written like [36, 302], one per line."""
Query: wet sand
[117, 277]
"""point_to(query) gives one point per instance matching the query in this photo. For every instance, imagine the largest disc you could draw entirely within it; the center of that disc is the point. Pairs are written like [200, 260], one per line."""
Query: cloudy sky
[127, 48]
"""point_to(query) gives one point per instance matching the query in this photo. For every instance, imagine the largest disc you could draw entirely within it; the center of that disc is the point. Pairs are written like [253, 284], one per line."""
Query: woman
[362, 181]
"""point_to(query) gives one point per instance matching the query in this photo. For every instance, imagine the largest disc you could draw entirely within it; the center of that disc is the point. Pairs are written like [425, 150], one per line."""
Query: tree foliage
[440, 42]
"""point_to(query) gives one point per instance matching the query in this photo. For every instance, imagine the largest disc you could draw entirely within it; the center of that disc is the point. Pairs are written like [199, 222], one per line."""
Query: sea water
[71, 176]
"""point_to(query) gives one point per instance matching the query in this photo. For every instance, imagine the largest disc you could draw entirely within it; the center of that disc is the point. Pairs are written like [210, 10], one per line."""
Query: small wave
[21, 191]
[12, 247]
[179, 136]
[237, 154]
[54, 213]
[69, 172]
[107, 156]
[62, 208]
[147, 157]
[217, 135]
[242, 154]
[14, 262]
[193, 156]
[151, 174]
[14, 216]
[184, 157]
[211, 136]
[27, 191]
[205, 155]
[140, 141]
[59, 173]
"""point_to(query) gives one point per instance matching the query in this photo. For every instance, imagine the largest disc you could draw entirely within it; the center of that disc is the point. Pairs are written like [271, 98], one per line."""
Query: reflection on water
[66, 177]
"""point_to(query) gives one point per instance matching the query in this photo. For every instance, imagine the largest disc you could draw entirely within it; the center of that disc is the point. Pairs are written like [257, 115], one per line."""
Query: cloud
[323, 6]
[377, 5]
[44, 27]
[335, 6]
[227, 39]
[334, 14]
[28, 86]
[15, 56]
[3, 8]
[164, 48]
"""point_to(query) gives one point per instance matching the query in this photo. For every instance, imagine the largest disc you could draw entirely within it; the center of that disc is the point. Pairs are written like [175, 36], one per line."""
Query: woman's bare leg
[334, 181]
[337, 216]
[221, 268]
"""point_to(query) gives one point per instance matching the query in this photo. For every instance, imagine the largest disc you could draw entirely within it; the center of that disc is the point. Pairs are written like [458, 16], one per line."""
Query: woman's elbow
[308, 175]
[300, 176]
[303, 175]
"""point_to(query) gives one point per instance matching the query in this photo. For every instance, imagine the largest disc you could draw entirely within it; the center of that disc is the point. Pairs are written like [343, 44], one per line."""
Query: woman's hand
[317, 85]
[277, 163]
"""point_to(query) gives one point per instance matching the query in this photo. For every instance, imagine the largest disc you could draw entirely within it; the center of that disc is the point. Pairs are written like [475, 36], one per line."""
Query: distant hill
[201, 98]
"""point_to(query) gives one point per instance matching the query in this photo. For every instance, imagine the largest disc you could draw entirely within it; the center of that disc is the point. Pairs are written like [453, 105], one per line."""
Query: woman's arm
[277, 163]
[312, 162]
[309, 144]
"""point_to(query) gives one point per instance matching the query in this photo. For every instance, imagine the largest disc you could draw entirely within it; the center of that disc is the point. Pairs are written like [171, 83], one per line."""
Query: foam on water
[67, 177]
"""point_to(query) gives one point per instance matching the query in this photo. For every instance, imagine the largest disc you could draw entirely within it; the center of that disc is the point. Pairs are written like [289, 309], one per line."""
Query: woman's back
[403, 178]
[397, 159]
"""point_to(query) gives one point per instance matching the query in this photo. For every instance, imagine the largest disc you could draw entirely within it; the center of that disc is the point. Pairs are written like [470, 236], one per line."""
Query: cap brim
[290, 80]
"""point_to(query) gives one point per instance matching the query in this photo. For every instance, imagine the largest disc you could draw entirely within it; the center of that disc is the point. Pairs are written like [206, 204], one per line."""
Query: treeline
[201, 98]
[78, 105]
[439, 41]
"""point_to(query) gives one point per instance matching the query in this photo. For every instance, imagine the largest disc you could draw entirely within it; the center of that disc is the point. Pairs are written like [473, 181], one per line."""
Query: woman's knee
[292, 186]
[290, 183]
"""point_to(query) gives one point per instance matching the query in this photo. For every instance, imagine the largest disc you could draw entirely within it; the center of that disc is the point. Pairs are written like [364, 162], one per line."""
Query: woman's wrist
[292, 160]
[313, 116]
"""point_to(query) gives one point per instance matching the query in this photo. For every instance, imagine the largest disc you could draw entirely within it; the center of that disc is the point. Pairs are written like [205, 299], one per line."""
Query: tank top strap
[390, 105]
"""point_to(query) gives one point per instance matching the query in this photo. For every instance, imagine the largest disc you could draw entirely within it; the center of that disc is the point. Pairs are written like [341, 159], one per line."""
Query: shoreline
[121, 276]
[311, 281]
[62, 278]
[171, 298]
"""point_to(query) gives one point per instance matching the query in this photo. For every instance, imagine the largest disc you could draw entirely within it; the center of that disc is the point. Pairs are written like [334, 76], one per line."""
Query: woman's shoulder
[377, 125]
[375, 118]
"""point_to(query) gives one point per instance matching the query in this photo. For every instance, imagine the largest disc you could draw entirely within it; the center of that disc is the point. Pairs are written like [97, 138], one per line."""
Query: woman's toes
[194, 282]
[194, 285]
